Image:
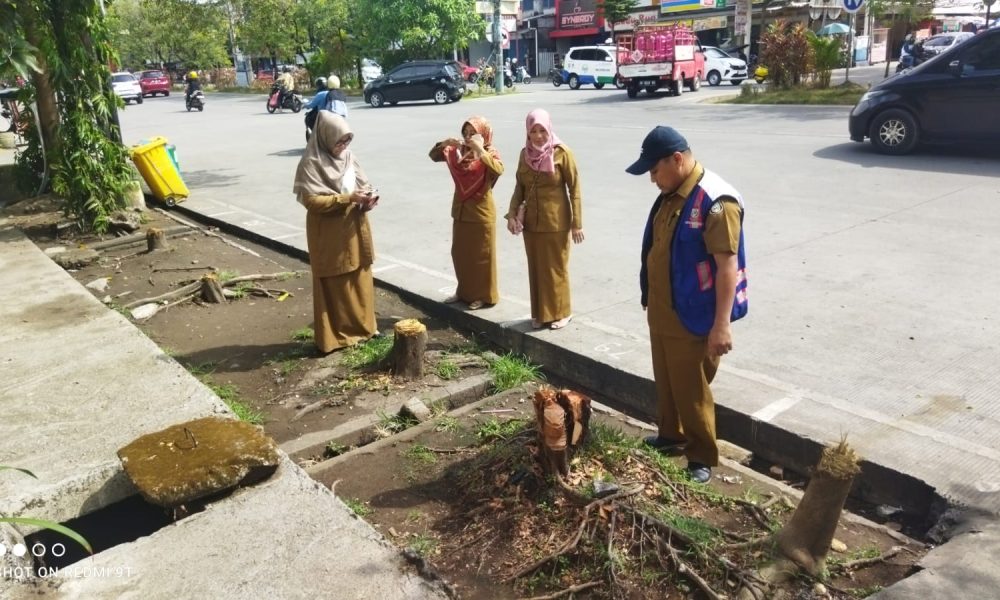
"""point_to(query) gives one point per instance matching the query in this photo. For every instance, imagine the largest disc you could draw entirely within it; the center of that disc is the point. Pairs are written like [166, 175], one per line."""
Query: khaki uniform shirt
[721, 235]
[339, 238]
[552, 199]
[474, 210]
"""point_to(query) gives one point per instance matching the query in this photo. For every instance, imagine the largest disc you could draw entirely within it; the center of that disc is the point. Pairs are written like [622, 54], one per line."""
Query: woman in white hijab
[329, 182]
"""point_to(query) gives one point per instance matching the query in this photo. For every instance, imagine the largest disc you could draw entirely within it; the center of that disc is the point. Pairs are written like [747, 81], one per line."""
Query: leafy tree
[75, 105]
[907, 11]
[786, 51]
[827, 55]
[616, 11]
[165, 31]
[272, 28]
[397, 30]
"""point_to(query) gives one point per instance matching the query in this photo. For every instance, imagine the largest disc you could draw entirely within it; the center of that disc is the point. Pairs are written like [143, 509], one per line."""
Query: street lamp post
[497, 53]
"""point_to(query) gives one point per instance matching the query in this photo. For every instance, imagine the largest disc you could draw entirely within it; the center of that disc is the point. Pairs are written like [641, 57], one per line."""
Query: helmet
[321, 83]
[333, 82]
[193, 75]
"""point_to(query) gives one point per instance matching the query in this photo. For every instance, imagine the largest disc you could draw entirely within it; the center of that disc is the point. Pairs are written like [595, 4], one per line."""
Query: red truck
[661, 56]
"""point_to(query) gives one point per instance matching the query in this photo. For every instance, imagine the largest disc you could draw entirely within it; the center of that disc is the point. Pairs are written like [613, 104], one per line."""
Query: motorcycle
[522, 75]
[195, 100]
[276, 99]
[508, 81]
[555, 76]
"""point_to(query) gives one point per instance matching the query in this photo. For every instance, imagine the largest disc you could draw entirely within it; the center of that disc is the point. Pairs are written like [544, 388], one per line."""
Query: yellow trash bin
[157, 168]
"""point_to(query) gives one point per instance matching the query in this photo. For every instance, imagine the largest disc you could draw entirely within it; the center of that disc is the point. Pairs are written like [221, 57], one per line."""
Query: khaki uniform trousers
[685, 406]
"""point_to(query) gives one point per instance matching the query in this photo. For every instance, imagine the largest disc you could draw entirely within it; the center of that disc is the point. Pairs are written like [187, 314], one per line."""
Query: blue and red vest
[692, 268]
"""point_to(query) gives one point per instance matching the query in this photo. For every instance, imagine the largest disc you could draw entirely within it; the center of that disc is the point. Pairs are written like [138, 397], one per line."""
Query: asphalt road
[871, 278]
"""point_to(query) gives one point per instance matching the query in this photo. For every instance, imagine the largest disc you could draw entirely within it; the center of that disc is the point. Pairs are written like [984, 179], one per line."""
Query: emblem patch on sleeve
[716, 208]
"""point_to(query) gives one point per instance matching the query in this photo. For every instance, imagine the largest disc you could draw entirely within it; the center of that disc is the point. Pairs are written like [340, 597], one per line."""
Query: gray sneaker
[698, 472]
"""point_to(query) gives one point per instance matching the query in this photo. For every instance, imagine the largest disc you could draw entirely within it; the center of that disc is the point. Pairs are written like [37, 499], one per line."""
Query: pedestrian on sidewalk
[545, 206]
[474, 165]
[693, 283]
[330, 183]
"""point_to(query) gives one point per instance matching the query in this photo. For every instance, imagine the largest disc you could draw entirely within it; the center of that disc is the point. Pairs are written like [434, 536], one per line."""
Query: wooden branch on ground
[184, 291]
[685, 569]
[183, 269]
[861, 563]
[207, 232]
[755, 511]
[309, 408]
[573, 589]
[261, 277]
[751, 543]
[136, 238]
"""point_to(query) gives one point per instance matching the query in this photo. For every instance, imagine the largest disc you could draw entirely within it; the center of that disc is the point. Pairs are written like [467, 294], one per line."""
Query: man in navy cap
[693, 282]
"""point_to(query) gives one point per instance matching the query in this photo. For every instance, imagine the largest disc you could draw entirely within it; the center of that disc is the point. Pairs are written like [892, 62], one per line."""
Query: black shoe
[698, 472]
[665, 445]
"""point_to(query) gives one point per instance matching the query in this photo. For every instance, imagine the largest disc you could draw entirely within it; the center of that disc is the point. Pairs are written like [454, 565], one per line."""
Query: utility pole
[497, 50]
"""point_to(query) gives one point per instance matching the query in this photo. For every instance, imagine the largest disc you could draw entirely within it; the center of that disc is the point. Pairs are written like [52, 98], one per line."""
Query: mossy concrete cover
[207, 456]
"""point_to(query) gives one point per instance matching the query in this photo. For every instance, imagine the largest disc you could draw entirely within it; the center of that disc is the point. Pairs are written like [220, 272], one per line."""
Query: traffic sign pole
[852, 7]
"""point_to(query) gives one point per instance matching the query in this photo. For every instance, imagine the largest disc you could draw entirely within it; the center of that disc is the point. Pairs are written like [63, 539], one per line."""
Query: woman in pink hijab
[546, 208]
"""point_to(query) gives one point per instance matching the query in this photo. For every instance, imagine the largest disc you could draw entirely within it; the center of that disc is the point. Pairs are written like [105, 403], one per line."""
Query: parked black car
[953, 97]
[437, 80]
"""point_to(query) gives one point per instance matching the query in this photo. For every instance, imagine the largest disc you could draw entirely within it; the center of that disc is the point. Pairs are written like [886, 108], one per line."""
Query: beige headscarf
[320, 173]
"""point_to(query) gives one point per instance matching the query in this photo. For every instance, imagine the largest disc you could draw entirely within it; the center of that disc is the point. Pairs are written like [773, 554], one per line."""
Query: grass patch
[846, 94]
[305, 334]
[226, 275]
[335, 448]
[420, 453]
[358, 507]
[701, 533]
[423, 544]
[445, 369]
[511, 370]
[240, 290]
[230, 394]
[392, 424]
[201, 370]
[448, 424]
[368, 353]
[499, 429]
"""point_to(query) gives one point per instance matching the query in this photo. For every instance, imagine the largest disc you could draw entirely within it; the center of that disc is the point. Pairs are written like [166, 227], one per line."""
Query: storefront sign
[577, 14]
[677, 6]
[638, 18]
[710, 23]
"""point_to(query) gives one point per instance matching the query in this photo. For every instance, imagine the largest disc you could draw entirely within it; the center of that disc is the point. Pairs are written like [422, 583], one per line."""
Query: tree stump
[807, 536]
[155, 240]
[408, 349]
[211, 289]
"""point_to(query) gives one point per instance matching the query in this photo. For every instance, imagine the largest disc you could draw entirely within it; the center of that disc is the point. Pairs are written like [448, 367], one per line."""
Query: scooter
[522, 75]
[195, 100]
[555, 76]
[291, 100]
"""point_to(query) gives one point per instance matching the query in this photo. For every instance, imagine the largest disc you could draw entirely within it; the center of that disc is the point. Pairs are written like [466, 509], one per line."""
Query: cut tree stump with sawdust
[408, 348]
[155, 240]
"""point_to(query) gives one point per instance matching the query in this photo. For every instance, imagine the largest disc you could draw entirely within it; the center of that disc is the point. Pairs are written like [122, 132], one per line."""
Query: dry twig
[573, 589]
[861, 563]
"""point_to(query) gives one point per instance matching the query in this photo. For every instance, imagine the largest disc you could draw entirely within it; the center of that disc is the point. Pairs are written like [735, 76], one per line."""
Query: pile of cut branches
[212, 287]
[627, 523]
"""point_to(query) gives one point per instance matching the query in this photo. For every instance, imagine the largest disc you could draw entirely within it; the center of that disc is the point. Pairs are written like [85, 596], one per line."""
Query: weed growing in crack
[392, 424]
[447, 423]
[335, 448]
[511, 370]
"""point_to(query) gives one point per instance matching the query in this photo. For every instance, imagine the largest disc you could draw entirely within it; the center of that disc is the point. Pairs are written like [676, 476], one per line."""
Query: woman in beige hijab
[329, 182]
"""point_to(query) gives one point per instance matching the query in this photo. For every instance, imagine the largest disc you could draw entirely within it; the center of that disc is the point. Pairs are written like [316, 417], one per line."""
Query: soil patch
[462, 492]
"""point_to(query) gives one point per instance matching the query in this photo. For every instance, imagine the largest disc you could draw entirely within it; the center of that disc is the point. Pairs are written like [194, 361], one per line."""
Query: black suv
[953, 97]
[437, 80]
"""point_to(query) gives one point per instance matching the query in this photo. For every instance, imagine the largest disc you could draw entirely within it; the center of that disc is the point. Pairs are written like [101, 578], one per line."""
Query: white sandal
[561, 323]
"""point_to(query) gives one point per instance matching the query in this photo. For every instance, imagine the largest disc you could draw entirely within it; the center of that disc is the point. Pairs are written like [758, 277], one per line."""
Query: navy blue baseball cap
[660, 142]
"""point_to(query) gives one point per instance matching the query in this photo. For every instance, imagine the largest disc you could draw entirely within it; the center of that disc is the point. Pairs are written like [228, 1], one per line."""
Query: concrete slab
[287, 538]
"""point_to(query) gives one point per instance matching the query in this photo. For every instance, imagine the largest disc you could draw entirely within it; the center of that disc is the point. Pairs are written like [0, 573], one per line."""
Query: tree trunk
[408, 349]
[155, 240]
[211, 289]
[807, 536]
[45, 96]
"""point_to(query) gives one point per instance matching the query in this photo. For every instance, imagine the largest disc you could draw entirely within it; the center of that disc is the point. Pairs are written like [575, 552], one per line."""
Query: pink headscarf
[540, 159]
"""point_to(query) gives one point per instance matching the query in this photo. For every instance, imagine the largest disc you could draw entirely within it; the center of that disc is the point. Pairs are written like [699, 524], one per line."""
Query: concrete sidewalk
[70, 398]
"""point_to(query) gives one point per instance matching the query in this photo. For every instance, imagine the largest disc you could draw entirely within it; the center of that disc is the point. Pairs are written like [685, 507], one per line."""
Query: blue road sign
[852, 6]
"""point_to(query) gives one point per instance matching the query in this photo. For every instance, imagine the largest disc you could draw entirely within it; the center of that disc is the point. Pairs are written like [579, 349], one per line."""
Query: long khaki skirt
[548, 275]
[473, 252]
[344, 309]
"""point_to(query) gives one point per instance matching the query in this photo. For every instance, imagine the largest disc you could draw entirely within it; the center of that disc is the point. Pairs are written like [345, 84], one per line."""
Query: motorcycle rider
[287, 83]
[331, 98]
[193, 85]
